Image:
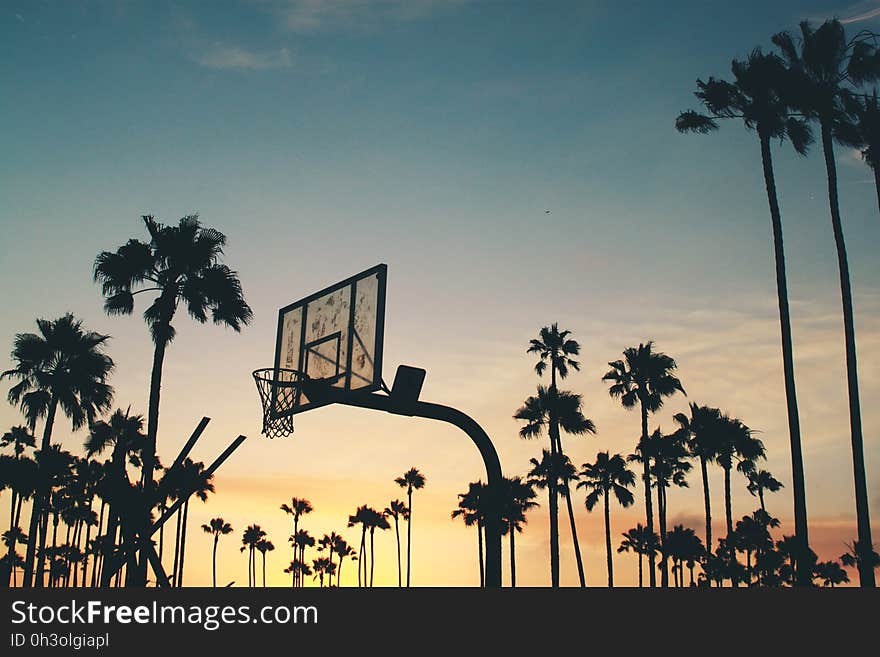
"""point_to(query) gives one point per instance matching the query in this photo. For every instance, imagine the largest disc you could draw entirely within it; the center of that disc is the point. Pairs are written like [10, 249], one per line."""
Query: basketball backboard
[334, 335]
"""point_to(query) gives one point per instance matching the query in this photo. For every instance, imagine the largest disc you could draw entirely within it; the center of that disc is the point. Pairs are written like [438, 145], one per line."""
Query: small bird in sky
[546, 211]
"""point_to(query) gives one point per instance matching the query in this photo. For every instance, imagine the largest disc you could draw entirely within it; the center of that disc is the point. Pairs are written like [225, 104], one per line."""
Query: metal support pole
[452, 416]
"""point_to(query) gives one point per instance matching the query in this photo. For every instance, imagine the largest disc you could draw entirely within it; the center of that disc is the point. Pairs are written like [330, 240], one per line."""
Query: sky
[326, 136]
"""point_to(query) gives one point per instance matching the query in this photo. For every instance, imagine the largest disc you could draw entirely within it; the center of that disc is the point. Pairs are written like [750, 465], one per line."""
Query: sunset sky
[325, 136]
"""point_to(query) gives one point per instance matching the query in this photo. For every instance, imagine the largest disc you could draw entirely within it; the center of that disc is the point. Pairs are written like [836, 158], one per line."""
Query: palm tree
[685, 548]
[825, 68]
[343, 550]
[19, 438]
[517, 499]
[298, 507]
[736, 443]
[564, 408]
[640, 541]
[557, 348]
[125, 433]
[831, 573]
[11, 537]
[470, 510]
[63, 365]
[668, 467]
[860, 557]
[607, 475]
[411, 480]
[263, 546]
[699, 431]
[762, 480]
[217, 527]
[361, 517]
[373, 520]
[321, 566]
[301, 540]
[397, 509]
[249, 539]
[182, 264]
[755, 98]
[297, 569]
[865, 114]
[192, 478]
[644, 377]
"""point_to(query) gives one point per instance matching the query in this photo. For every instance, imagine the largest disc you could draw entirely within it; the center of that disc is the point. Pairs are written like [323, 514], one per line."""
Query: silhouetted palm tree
[517, 499]
[20, 438]
[757, 97]
[217, 527]
[182, 265]
[263, 546]
[321, 567]
[343, 550]
[761, 480]
[685, 548]
[556, 348]
[411, 480]
[860, 558]
[192, 478]
[297, 569]
[249, 539]
[826, 67]
[831, 573]
[536, 412]
[63, 365]
[361, 517]
[397, 510]
[736, 443]
[641, 541]
[643, 378]
[470, 510]
[700, 432]
[298, 507]
[374, 520]
[301, 540]
[124, 433]
[607, 475]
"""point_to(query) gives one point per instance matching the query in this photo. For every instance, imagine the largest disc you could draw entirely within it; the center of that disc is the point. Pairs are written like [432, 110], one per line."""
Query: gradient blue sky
[325, 136]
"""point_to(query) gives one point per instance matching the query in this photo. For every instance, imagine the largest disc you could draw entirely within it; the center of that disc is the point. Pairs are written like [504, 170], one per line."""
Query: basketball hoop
[279, 390]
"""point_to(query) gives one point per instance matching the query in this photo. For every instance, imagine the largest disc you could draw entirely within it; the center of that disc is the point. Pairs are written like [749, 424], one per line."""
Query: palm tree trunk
[397, 532]
[691, 571]
[177, 549]
[362, 565]
[661, 514]
[86, 550]
[640, 570]
[297, 575]
[11, 554]
[372, 554]
[39, 502]
[214, 561]
[408, 536]
[149, 456]
[179, 581]
[706, 502]
[512, 530]
[794, 427]
[876, 171]
[574, 536]
[339, 571]
[552, 489]
[866, 571]
[727, 510]
[649, 509]
[264, 568]
[608, 543]
[480, 550]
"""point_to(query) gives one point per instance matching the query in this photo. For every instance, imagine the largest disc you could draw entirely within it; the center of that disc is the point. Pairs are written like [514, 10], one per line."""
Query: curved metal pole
[463, 422]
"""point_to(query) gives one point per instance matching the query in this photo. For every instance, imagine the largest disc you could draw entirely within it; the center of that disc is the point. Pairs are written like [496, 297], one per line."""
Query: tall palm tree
[124, 432]
[471, 511]
[667, 454]
[685, 548]
[181, 264]
[564, 408]
[700, 431]
[361, 517]
[737, 443]
[607, 475]
[20, 438]
[321, 567]
[556, 348]
[411, 480]
[249, 539]
[517, 499]
[643, 378]
[760, 481]
[377, 520]
[343, 550]
[263, 546]
[217, 527]
[755, 96]
[397, 510]
[826, 67]
[194, 479]
[62, 365]
[298, 507]
[640, 541]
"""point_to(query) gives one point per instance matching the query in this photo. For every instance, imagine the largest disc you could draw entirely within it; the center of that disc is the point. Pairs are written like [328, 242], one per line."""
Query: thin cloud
[235, 58]
[862, 11]
[315, 15]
